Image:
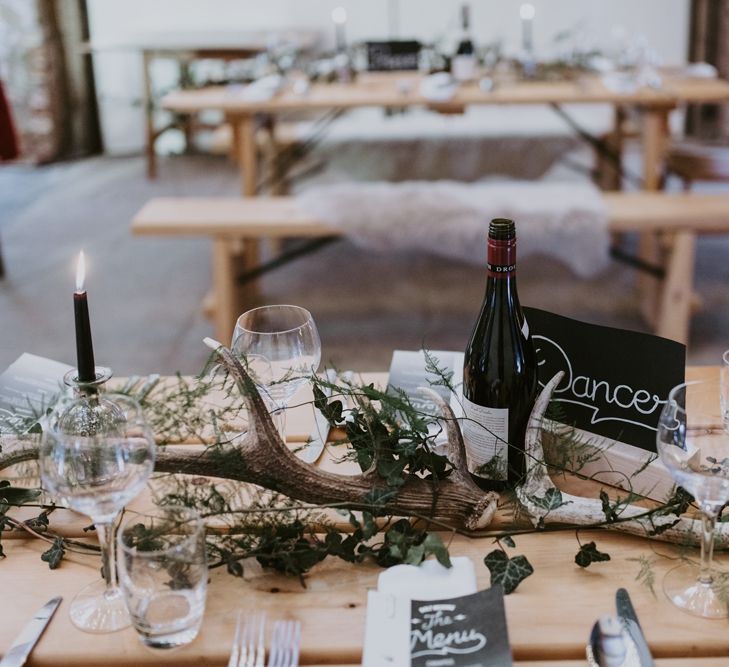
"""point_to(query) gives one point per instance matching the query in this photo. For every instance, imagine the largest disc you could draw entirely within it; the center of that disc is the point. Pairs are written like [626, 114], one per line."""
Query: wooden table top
[403, 89]
[549, 616]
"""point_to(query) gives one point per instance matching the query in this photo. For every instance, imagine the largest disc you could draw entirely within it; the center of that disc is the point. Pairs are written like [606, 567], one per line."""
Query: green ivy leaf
[55, 554]
[392, 471]
[332, 411]
[588, 554]
[434, 547]
[507, 572]
[508, 540]
[551, 500]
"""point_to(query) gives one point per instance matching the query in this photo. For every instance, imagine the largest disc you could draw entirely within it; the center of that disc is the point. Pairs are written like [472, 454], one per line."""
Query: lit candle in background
[84, 346]
[339, 18]
[527, 12]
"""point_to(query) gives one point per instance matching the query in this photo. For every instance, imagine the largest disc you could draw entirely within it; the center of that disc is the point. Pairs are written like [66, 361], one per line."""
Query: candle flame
[80, 272]
[527, 11]
[339, 15]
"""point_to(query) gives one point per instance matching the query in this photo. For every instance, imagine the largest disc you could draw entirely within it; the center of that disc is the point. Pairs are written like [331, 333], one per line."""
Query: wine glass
[96, 458]
[279, 345]
[693, 443]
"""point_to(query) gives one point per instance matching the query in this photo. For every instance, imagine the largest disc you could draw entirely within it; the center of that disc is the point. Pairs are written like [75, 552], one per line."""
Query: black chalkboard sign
[468, 631]
[616, 381]
[392, 55]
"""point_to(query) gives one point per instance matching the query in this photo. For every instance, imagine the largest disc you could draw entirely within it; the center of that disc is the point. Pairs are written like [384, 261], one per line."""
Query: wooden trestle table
[549, 616]
[402, 90]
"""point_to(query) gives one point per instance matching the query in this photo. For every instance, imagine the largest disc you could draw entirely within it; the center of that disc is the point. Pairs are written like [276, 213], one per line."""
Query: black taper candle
[84, 346]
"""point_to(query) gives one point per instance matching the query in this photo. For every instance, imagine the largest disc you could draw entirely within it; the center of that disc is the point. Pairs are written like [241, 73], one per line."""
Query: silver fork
[249, 648]
[285, 641]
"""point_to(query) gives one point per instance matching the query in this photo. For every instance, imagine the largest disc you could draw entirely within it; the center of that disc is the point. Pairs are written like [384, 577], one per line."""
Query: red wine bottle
[500, 371]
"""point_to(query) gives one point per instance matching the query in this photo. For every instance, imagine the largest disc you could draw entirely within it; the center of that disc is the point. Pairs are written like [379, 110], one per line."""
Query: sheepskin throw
[568, 222]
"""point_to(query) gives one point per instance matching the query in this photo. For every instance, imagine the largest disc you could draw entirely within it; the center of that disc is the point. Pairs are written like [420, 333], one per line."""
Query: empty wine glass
[280, 345]
[693, 443]
[97, 457]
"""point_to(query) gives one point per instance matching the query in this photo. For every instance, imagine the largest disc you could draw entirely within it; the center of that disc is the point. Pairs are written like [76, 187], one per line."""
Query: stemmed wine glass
[97, 457]
[280, 345]
[693, 443]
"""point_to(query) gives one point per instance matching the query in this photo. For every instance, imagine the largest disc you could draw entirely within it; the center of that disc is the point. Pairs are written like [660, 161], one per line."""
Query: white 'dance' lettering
[576, 387]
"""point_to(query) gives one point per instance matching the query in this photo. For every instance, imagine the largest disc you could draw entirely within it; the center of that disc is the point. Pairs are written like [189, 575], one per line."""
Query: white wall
[664, 23]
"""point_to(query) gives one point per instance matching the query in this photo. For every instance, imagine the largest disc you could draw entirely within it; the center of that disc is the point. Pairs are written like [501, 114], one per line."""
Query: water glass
[163, 574]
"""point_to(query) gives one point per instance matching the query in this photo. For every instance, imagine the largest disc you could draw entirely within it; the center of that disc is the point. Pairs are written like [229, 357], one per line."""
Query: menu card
[409, 372]
[467, 631]
[27, 387]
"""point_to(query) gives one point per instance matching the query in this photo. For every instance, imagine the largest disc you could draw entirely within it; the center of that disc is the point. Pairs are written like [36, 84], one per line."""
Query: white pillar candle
[527, 12]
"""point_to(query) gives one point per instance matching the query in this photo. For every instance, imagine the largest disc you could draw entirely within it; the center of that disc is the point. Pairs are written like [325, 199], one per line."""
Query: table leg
[148, 103]
[234, 138]
[246, 137]
[654, 135]
[247, 163]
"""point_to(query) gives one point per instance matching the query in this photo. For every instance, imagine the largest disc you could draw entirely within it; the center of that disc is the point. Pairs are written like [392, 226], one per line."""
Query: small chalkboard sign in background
[393, 55]
[616, 382]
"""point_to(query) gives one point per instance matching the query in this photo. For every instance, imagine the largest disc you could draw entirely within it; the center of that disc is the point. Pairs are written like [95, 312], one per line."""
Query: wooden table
[185, 47]
[549, 616]
[403, 90]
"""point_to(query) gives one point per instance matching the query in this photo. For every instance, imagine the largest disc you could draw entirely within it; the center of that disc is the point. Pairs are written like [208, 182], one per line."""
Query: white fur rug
[565, 221]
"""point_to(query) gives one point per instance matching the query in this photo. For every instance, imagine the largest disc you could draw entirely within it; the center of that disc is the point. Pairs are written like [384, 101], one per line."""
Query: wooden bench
[236, 226]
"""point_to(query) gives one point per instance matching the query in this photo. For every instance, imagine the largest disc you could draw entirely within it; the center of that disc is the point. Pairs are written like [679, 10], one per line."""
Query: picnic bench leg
[674, 315]
[655, 133]
[224, 288]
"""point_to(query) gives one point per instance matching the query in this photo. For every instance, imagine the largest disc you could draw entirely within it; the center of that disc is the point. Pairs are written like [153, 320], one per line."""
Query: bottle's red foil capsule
[501, 258]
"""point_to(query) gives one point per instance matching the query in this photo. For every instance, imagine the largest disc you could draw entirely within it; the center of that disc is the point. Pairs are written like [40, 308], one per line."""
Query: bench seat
[236, 225]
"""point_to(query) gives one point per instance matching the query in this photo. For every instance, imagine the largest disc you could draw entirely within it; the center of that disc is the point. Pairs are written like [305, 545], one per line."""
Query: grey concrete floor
[145, 293]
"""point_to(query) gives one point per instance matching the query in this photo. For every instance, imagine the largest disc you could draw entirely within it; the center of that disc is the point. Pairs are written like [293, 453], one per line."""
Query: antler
[582, 511]
[262, 458]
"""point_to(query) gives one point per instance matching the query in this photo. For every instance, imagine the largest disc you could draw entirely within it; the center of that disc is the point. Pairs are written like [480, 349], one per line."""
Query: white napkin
[387, 625]
[438, 87]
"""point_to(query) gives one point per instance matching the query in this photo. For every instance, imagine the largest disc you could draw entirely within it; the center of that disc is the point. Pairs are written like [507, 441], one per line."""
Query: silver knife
[629, 619]
[313, 449]
[20, 650]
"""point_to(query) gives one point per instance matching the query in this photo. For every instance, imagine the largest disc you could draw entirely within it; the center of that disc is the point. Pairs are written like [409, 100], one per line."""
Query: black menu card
[468, 631]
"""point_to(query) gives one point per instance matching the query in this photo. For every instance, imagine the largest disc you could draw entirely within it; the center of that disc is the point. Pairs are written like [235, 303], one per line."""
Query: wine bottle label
[486, 434]
[463, 67]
